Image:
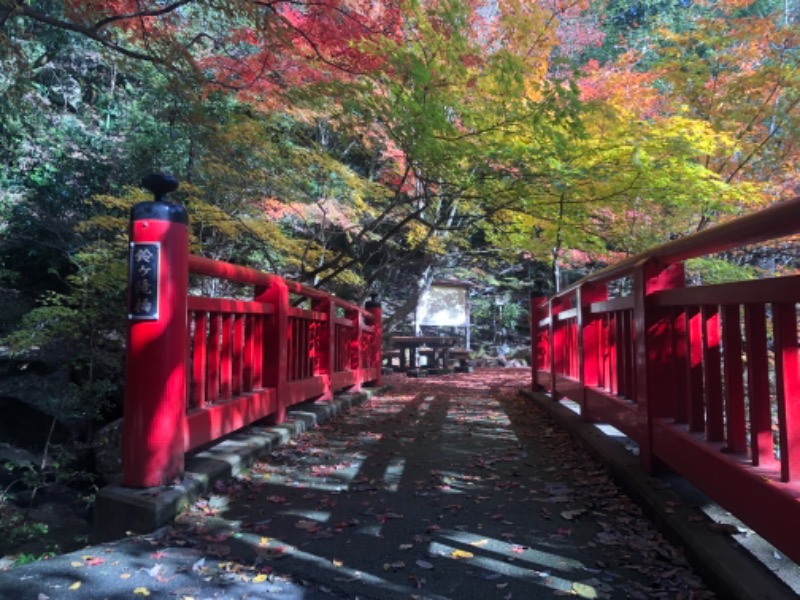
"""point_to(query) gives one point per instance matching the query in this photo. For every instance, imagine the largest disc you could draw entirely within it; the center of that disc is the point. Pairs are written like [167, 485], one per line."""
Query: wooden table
[411, 344]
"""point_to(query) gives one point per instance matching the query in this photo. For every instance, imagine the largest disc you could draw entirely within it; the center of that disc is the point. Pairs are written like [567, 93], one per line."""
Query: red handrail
[777, 221]
[199, 368]
[700, 377]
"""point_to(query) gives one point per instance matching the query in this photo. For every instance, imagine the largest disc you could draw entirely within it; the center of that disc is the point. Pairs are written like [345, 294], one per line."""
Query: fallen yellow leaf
[260, 578]
[75, 585]
[479, 543]
[141, 591]
[583, 590]
[461, 554]
[264, 541]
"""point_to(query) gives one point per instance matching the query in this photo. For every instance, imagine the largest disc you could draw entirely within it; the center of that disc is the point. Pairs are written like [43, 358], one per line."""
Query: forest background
[370, 147]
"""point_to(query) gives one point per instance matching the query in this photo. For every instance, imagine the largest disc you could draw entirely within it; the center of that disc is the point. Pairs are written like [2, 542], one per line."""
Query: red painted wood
[258, 352]
[249, 353]
[199, 360]
[588, 329]
[621, 357]
[237, 362]
[218, 420]
[571, 348]
[354, 347]
[156, 363]
[684, 415]
[610, 408]
[778, 220]
[298, 349]
[199, 265]
[694, 391]
[569, 387]
[736, 427]
[558, 348]
[629, 347]
[680, 343]
[553, 344]
[324, 349]
[592, 332]
[655, 362]
[755, 495]
[374, 308]
[343, 380]
[787, 376]
[613, 305]
[214, 357]
[712, 374]
[305, 348]
[760, 291]
[276, 341]
[610, 366]
[226, 305]
[233, 348]
[226, 358]
[303, 389]
[538, 349]
[755, 323]
[291, 340]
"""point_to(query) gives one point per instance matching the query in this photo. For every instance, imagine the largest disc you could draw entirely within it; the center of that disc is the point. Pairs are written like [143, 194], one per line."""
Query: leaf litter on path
[475, 466]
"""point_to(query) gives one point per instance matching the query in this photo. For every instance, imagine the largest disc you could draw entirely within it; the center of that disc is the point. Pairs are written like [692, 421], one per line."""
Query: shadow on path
[446, 487]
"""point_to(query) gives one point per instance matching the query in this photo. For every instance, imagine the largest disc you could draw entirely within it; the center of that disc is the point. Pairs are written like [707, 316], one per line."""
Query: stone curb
[722, 563]
[120, 511]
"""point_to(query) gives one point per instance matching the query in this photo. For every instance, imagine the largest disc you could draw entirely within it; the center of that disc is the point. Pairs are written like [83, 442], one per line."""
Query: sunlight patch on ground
[313, 483]
[492, 565]
[484, 417]
[337, 567]
[452, 482]
[519, 553]
[394, 473]
[425, 406]
[320, 516]
[370, 530]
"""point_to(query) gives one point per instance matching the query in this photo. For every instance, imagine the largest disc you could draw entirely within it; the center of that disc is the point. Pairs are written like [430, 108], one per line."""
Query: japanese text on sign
[143, 283]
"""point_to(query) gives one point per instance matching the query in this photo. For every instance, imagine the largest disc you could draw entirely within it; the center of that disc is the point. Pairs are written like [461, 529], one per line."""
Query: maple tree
[260, 48]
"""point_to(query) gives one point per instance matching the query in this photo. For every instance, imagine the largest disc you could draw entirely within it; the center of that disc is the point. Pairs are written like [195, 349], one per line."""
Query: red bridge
[704, 378]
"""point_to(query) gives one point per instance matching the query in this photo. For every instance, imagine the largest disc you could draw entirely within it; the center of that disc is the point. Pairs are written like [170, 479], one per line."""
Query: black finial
[160, 184]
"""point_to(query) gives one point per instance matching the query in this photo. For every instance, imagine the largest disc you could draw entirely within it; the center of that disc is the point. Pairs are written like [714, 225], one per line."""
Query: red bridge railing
[705, 379]
[199, 368]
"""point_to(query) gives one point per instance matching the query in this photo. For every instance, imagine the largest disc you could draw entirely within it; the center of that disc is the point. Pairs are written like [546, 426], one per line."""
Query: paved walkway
[448, 487]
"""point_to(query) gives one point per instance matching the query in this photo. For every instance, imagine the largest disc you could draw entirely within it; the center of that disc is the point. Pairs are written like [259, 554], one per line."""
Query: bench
[428, 353]
[391, 360]
[463, 356]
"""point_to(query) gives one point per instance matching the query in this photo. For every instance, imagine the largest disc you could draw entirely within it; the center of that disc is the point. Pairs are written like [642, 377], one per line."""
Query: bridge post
[556, 342]
[536, 312]
[155, 366]
[373, 306]
[276, 342]
[589, 333]
[325, 340]
[354, 347]
[655, 356]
